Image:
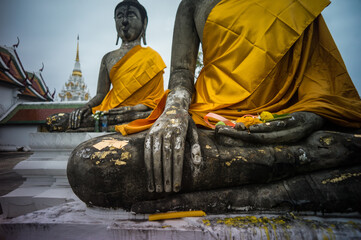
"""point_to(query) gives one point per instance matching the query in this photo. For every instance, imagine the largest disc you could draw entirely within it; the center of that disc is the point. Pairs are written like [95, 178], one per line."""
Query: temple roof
[12, 72]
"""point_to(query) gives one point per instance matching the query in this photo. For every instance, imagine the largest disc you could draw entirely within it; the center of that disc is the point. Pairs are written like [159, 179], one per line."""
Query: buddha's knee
[109, 171]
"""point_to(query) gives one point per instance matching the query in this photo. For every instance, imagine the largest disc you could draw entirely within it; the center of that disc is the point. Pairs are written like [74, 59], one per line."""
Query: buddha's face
[128, 22]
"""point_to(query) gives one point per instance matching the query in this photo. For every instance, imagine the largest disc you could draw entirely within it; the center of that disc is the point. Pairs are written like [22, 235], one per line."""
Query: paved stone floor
[10, 180]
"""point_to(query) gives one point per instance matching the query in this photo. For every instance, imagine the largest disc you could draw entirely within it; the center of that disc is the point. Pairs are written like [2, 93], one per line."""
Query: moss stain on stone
[125, 156]
[206, 222]
[278, 149]
[118, 162]
[171, 112]
[341, 178]
[326, 140]
[229, 163]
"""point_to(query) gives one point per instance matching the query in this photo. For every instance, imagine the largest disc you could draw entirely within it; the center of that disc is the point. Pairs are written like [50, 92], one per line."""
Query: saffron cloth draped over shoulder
[137, 78]
[275, 56]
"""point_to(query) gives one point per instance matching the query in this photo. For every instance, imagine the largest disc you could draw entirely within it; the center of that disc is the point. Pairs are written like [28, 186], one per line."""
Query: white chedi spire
[75, 88]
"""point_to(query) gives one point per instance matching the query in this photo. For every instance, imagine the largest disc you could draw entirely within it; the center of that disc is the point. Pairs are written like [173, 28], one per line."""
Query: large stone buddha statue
[259, 56]
[134, 72]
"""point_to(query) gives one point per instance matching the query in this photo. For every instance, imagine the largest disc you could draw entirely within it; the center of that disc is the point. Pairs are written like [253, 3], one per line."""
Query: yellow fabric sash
[275, 56]
[137, 78]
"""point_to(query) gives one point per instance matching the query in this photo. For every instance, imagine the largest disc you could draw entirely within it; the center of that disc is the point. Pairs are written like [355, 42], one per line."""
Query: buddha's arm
[164, 145]
[103, 87]
[184, 48]
[121, 110]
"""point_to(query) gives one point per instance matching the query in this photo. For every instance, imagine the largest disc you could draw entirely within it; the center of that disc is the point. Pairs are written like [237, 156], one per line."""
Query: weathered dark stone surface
[326, 191]
[60, 122]
[98, 179]
[116, 177]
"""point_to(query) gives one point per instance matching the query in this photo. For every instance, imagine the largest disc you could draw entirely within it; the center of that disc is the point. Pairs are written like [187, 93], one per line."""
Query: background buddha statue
[134, 72]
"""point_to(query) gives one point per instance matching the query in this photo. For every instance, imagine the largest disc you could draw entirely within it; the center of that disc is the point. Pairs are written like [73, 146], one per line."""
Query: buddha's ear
[116, 43]
[144, 30]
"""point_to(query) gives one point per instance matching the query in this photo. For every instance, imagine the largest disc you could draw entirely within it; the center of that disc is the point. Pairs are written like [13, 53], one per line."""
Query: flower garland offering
[245, 121]
[220, 123]
[266, 116]
[97, 115]
[249, 120]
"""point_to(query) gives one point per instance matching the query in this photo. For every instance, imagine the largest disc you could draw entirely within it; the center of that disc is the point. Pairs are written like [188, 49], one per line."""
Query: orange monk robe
[275, 56]
[137, 78]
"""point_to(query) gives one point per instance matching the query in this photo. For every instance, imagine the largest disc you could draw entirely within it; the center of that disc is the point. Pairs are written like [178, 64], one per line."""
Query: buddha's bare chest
[113, 58]
[202, 9]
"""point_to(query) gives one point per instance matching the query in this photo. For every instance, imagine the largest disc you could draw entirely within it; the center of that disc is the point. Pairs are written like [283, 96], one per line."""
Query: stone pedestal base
[74, 221]
[46, 182]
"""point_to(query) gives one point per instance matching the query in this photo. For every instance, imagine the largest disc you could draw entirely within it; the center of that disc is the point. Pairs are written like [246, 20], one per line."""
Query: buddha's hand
[292, 129]
[165, 144]
[58, 122]
[118, 110]
[77, 115]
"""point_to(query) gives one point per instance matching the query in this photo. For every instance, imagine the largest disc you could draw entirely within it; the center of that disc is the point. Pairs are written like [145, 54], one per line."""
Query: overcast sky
[48, 31]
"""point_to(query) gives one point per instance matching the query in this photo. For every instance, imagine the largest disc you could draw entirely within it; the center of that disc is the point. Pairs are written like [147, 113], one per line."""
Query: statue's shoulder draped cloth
[137, 78]
[275, 56]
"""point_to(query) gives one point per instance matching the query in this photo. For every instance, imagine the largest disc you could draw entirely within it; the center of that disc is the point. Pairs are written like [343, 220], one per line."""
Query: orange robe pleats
[137, 78]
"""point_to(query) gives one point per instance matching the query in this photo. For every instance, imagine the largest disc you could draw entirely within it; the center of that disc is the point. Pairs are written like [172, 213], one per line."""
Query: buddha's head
[131, 21]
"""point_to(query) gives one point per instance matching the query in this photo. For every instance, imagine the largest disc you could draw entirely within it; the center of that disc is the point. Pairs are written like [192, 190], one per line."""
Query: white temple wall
[8, 98]
[13, 137]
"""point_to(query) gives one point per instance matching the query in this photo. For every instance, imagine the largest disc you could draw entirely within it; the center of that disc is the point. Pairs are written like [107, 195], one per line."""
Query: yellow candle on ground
[172, 215]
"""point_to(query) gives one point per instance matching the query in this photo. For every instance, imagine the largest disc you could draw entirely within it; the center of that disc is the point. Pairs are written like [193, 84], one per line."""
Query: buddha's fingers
[178, 156]
[87, 112]
[74, 119]
[167, 160]
[70, 121]
[270, 126]
[284, 136]
[148, 160]
[78, 117]
[120, 110]
[192, 137]
[157, 162]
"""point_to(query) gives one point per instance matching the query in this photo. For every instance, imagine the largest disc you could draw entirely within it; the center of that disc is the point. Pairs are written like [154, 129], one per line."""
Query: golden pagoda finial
[76, 70]
[77, 51]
